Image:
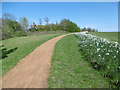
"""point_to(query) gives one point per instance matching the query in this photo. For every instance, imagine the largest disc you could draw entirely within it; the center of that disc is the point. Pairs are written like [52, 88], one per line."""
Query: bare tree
[24, 23]
[9, 16]
[40, 20]
[47, 20]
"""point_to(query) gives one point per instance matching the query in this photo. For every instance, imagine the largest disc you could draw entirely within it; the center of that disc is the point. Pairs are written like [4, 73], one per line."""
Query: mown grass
[111, 36]
[45, 32]
[24, 46]
[70, 70]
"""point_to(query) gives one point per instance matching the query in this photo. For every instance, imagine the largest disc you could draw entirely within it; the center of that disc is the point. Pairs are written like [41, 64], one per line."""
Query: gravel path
[33, 70]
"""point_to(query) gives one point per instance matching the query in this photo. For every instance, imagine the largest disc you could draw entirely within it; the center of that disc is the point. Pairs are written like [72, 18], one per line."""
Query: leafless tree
[9, 16]
[24, 23]
[40, 20]
[47, 20]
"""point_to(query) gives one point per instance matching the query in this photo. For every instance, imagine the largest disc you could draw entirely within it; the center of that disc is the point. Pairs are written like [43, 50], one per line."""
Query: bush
[102, 54]
[6, 35]
[65, 25]
[3, 52]
[19, 34]
[11, 29]
[11, 25]
[11, 34]
[47, 27]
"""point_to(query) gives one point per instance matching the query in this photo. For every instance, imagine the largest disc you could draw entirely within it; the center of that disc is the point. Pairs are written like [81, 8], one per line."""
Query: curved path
[33, 70]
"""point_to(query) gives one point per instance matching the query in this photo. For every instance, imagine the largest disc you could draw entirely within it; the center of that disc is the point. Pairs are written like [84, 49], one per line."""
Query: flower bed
[102, 54]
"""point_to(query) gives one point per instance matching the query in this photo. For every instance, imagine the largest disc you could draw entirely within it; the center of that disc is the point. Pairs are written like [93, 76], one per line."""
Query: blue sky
[100, 15]
[60, 0]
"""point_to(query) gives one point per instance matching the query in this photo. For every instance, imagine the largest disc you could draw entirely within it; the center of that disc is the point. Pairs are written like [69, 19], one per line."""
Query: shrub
[11, 29]
[11, 34]
[102, 54]
[19, 34]
[3, 52]
[6, 35]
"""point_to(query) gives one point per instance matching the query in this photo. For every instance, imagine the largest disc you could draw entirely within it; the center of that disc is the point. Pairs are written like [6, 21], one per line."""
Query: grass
[70, 70]
[24, 45]
[45, 32]
[111, 36]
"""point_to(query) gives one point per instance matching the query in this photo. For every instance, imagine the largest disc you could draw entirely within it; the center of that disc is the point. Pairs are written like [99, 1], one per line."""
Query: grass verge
[70, 70]
[24, 46]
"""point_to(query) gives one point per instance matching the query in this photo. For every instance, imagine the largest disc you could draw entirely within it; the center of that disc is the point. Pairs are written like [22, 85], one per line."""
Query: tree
[24, 23]
[40, 20]
[11, 29]
[47, 27]
[46, 20]
[8, 16]
[89, 29]
[69, 26]
[64, 24]
[11, 25]
[33, 27]
[15, 26]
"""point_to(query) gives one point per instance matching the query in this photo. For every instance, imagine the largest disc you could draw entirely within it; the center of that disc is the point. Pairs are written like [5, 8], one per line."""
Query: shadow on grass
[4, 52]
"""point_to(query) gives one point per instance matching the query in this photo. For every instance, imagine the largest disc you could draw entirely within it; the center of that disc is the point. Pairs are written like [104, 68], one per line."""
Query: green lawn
[24, 46]
[70, 70]
[111, 36]
[45, 32]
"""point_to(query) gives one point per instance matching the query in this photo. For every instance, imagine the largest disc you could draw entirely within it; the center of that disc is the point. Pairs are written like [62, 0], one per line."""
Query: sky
[60, 0]
[99, 15]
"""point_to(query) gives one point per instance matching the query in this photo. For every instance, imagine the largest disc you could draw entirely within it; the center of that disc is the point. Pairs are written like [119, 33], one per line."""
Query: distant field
[24, 46]
[111, 36]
